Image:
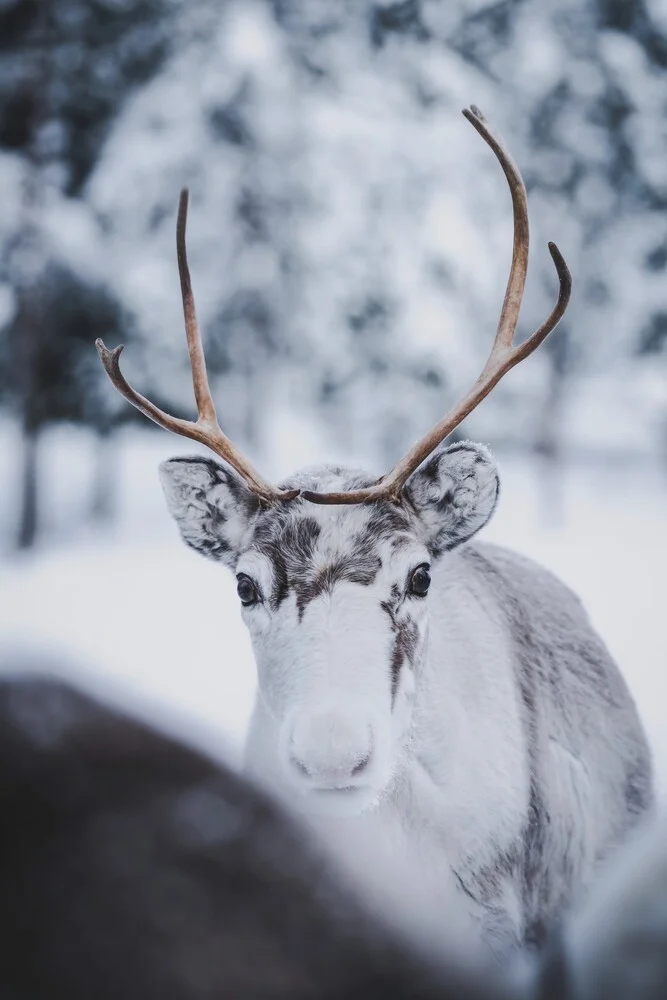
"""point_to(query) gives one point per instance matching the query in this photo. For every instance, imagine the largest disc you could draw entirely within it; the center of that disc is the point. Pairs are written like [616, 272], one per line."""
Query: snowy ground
[135, 615]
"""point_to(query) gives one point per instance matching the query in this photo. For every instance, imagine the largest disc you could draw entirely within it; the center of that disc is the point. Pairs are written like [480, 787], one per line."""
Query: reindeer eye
[246, 590]
[420, 581]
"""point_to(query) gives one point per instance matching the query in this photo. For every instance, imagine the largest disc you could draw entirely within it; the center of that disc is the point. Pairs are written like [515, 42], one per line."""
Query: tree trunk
[28, 263]
[548, 442]
[28, 516]
[103, 501]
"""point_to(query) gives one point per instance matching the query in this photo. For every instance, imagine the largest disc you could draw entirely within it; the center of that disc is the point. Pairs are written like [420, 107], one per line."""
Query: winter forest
[349, 240]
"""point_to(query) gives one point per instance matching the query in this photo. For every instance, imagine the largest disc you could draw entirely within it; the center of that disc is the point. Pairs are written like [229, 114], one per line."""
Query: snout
[335, 751]
[330, 750]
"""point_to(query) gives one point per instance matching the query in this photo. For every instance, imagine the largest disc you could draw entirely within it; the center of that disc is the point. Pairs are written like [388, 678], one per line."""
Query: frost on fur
[476, 708]
[455, 493]
[210, 505]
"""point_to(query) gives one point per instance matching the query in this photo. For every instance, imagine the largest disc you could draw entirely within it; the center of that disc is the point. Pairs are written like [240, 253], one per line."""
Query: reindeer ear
[211, 505]
[454, 494]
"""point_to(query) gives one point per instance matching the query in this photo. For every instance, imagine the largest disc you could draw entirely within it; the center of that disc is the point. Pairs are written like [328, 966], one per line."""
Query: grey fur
[446, 496]
[288, 536]
[406, 638]
[210, 505]
[448, 493]
[574, 697]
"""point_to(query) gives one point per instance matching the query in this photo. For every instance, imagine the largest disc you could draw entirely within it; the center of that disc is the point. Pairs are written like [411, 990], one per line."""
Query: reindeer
[443, 695]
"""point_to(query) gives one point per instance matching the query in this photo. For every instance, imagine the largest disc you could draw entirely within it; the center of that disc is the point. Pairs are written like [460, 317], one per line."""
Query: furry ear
[211, 505]
[454, 494]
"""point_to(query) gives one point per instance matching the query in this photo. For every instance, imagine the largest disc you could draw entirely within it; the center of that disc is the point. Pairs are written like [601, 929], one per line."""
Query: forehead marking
[353, 569]
[308, 560]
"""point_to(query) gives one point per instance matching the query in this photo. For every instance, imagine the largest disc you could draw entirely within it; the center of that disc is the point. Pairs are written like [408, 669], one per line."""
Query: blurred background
[349, 240]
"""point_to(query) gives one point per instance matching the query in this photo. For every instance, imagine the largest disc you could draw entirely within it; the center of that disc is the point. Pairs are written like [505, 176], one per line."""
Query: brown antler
[206, 429]
[503, 354]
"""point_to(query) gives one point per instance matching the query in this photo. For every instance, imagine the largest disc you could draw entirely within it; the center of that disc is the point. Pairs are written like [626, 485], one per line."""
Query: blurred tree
[62, 310]
[245, 337]
[66, 68]
[343, 225]
[590, 81]
[587, 82]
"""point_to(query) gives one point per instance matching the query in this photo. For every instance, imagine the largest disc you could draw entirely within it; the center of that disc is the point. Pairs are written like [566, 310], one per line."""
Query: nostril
[362, 764]
[299, 765]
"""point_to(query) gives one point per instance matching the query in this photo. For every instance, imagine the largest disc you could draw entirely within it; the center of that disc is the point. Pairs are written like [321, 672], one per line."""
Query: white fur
[510, 759]
[332, 706]
[460, 784]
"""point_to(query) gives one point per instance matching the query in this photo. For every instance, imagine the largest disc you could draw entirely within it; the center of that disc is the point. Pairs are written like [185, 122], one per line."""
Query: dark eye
[246, 590]
[420, 581]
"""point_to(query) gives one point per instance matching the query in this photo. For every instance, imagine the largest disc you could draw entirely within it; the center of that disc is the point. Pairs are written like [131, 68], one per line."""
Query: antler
[503, 354]
[206, 429]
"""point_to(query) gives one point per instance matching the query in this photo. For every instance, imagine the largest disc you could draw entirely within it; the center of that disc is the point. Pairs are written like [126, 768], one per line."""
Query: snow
[134, 615]
[144, 622]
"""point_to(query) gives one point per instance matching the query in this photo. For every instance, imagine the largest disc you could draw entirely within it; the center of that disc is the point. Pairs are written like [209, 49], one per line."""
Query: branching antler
[503, 354]
[206, 429]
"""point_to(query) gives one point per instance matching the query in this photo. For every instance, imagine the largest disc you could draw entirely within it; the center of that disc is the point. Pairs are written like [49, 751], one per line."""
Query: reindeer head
[336, 601]
[333, 567]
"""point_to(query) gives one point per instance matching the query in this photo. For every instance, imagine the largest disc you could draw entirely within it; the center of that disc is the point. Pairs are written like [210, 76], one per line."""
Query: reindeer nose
[330, 750]
[309, 771]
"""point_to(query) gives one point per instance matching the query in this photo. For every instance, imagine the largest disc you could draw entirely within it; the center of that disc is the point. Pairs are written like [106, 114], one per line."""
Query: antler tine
[206, 429]
[203, 398]
[503, 356]
[509, 314]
